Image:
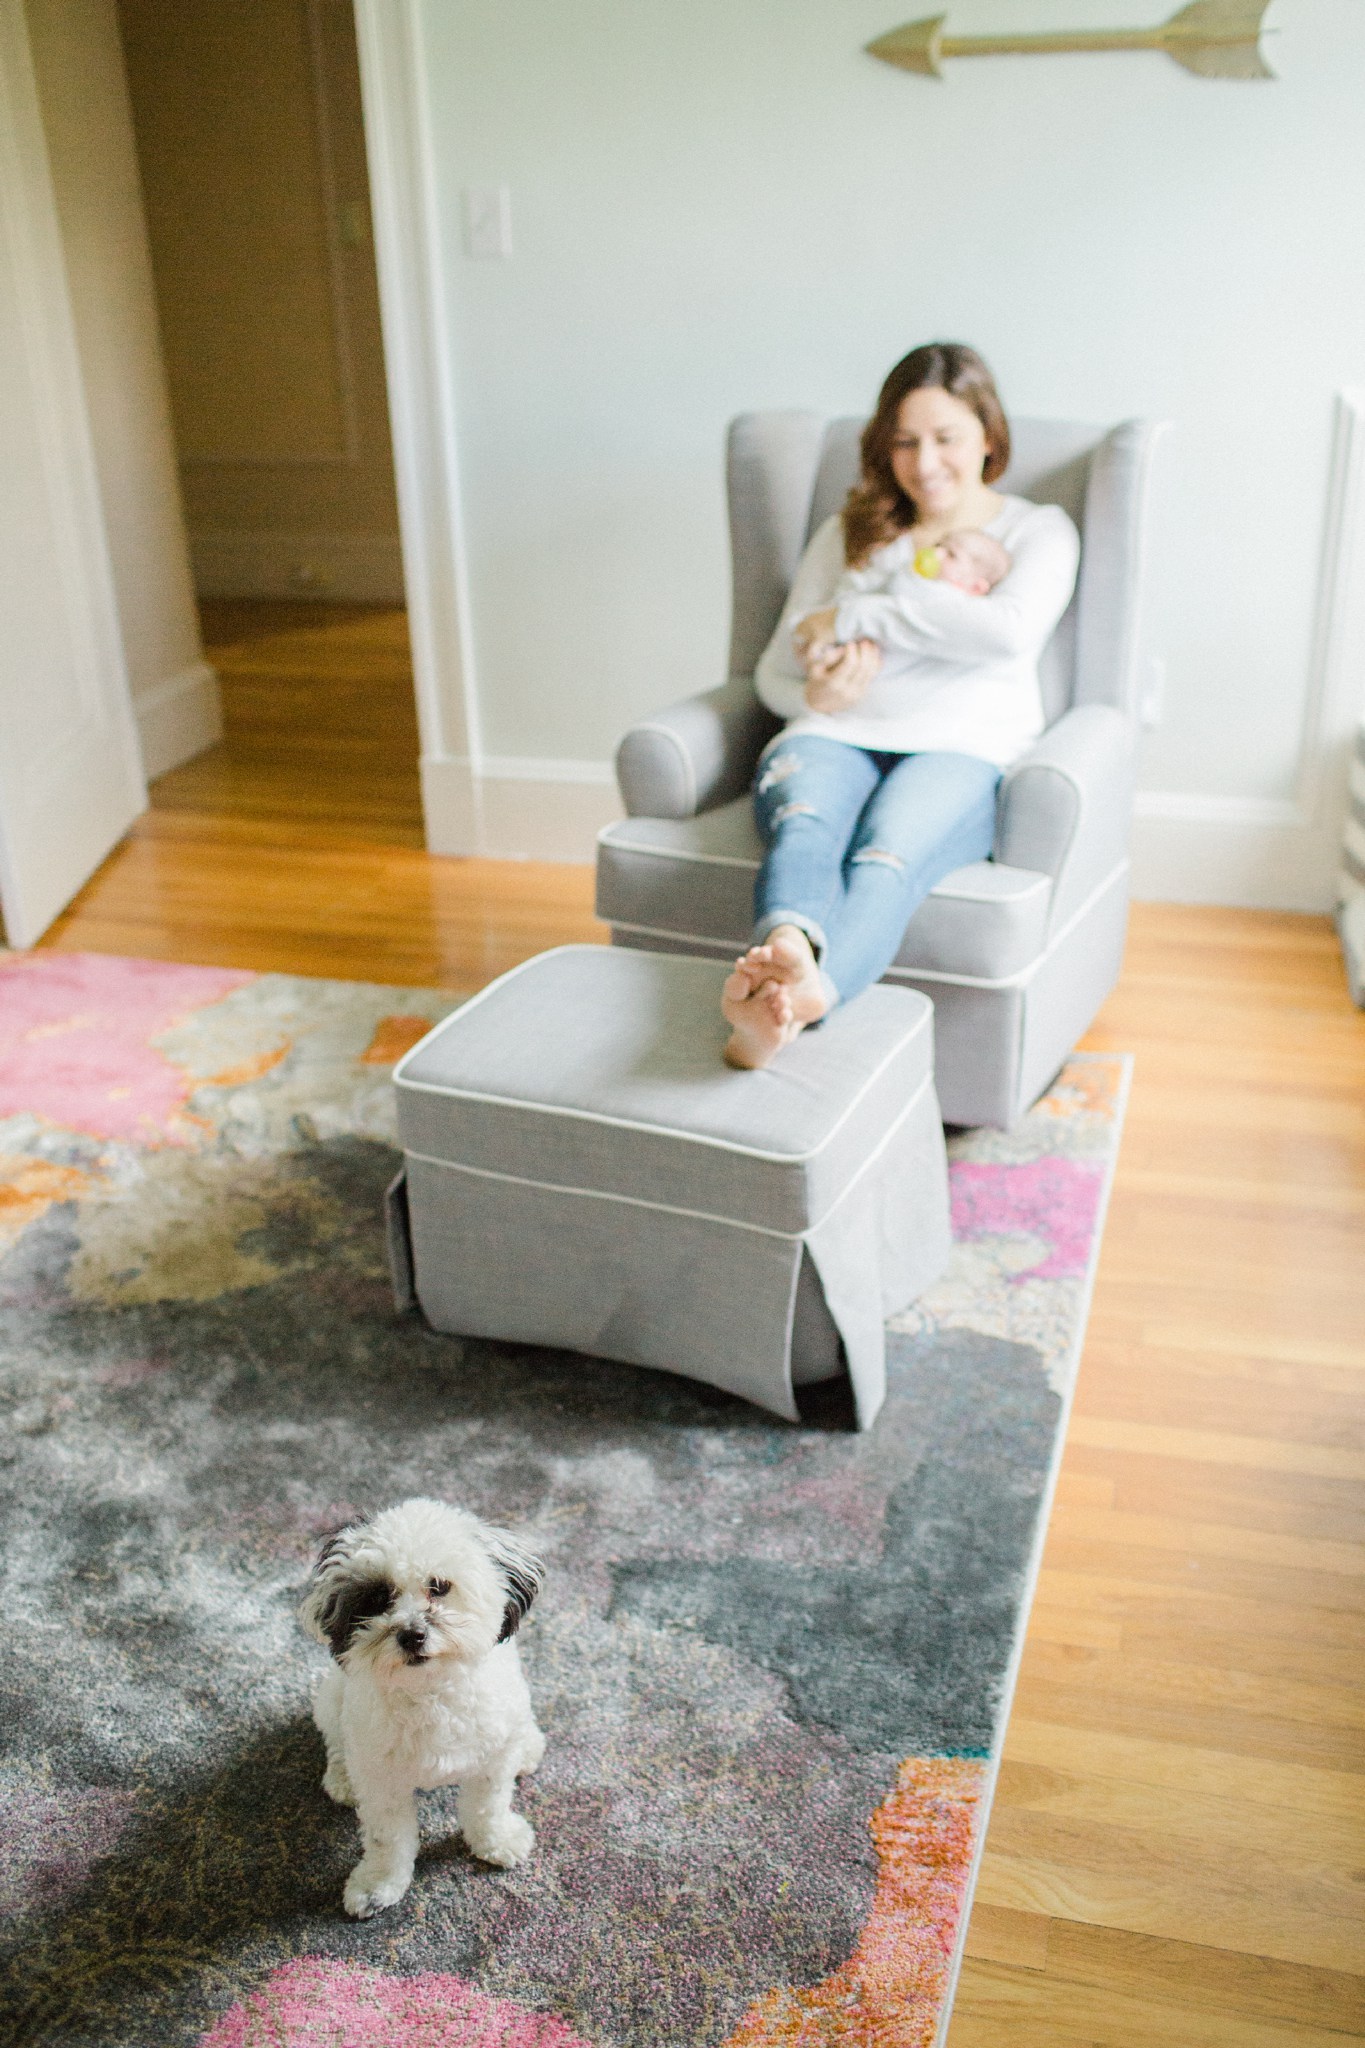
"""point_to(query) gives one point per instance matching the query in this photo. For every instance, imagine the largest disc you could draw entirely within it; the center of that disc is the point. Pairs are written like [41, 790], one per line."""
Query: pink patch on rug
[75, 1041]
[1055, 1199]
[313, 2003]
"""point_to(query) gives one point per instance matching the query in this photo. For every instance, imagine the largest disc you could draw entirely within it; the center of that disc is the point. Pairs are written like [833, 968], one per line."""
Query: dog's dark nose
[411, 1641]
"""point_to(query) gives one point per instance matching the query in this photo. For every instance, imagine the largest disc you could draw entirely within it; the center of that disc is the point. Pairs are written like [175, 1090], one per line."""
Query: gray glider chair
[1017, 952]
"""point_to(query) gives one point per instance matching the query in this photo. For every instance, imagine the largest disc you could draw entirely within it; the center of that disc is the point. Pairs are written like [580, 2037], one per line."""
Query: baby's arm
[853, 583]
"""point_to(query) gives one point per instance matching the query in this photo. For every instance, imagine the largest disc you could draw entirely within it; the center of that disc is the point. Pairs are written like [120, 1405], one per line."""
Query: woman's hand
[837, 676]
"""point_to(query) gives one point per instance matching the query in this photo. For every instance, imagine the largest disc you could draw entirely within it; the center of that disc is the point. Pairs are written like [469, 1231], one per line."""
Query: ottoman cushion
[584, 1169]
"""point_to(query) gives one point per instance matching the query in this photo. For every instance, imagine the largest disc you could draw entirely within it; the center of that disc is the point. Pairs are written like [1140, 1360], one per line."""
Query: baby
[971, 560]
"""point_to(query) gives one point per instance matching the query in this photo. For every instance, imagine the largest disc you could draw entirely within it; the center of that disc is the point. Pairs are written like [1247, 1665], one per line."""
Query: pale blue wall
[722, 203]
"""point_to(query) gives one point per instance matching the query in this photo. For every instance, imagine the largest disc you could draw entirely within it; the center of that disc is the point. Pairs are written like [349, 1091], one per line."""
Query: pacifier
[928, 562]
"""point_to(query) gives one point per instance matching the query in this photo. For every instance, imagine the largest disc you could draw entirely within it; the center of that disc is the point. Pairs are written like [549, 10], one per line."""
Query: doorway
[251, 145]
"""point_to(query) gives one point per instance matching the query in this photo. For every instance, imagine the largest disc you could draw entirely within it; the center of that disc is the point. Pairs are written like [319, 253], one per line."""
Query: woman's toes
[777, 998]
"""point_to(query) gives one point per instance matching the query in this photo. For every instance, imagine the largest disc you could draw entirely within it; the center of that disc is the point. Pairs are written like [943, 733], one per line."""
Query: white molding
[358, 568]
[1258, 853]
[535, 768]
[541, 819]
[178, 718]
[417, 358]
[508, 809]
[450, 803]
[1192, 808]
[1335, 699]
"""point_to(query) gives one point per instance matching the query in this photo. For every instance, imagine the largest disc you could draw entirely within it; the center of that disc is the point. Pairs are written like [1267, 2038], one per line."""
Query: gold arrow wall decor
[1216, 38]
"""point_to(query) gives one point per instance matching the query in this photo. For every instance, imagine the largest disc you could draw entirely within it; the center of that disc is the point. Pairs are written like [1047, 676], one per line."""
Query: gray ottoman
[583, 1170]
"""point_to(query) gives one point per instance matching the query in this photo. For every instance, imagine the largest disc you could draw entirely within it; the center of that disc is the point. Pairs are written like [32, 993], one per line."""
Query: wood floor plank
[1131, 1878]
[1261, 1987]
[1203, 1684]
[998, 2005]
[1215, 1447]
[1205, 1819]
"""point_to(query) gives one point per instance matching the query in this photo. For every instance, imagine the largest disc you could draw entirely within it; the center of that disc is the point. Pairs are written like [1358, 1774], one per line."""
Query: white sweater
[959, 673]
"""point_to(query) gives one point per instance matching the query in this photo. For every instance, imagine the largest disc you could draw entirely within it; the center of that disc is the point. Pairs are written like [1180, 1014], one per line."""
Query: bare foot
[760, 1019]
[773, 993]
[786, 956]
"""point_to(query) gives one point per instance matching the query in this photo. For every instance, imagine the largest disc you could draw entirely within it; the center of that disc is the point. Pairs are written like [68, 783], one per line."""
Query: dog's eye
[438, 1588]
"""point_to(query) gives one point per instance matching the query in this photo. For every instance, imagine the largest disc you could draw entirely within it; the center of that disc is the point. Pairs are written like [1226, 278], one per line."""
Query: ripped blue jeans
[856, 841]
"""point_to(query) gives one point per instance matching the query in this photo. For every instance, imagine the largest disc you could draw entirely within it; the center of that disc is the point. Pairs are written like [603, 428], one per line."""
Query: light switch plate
[1152, 709]
[487, 220]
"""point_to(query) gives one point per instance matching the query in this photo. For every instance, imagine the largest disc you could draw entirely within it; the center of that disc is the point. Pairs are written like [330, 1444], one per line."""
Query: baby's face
[973, 561]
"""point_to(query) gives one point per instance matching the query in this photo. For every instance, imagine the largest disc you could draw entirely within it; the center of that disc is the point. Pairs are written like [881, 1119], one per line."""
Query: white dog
[419, 1608]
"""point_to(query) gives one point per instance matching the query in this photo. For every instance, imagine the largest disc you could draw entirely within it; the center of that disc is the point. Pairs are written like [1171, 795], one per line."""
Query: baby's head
[972, 560]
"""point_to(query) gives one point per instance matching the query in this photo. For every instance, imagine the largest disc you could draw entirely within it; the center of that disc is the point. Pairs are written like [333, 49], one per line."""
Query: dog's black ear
[522, 1574]
[340, 1597]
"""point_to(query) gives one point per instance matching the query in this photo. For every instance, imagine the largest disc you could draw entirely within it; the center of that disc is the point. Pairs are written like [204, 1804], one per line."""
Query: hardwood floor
[1174, 1852]
[296, 845]
[1176, 1855]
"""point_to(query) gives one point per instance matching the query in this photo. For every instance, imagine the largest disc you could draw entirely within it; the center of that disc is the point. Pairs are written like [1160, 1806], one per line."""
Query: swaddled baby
[971, 560]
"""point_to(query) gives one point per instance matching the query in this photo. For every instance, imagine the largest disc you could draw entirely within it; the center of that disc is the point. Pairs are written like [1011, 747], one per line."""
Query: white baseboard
[1248, 852]
[518, 809]
[545, 810]
[1253, 853]
[355, 568]
[177, 719]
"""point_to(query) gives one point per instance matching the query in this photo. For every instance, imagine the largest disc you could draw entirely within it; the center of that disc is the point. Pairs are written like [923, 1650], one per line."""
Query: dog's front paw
[369, 1890]
[336, 1784]
[506, 1842]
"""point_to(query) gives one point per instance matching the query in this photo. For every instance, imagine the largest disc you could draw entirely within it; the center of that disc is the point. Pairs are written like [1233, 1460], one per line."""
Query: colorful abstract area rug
[771, 1660]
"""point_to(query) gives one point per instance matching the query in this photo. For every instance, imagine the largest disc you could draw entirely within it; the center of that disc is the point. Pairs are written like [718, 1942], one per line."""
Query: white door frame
[417, 360]
[71, 778]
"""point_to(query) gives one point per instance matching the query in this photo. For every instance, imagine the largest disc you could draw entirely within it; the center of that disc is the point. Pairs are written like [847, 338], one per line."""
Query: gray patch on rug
[905, 1652]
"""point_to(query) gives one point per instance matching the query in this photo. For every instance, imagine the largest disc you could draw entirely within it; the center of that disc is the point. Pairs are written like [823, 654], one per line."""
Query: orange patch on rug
[1084, 1088]
[29, 1187]
[393, 1036]
[891, 1991]
[248, 1070]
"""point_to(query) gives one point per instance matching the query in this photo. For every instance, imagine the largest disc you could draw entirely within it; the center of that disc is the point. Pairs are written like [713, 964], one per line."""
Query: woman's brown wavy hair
[877, 509]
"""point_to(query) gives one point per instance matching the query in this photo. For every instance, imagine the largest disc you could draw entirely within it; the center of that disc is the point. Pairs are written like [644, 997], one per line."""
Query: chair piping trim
[712, 860]
[551, 1187]
[1019, 980]
[609, 836]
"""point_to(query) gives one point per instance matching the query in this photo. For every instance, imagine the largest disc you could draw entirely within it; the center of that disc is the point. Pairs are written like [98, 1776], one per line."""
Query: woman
[881, 784]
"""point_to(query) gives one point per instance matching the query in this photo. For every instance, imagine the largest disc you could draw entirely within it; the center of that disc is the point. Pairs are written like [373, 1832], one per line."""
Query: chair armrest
[694, 755]
[1064, 809]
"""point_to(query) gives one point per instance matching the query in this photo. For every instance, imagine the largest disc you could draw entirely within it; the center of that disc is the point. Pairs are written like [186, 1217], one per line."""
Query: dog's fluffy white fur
[420, 1609]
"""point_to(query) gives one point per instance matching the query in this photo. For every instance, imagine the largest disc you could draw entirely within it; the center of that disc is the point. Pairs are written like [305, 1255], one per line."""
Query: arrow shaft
[1096, 39]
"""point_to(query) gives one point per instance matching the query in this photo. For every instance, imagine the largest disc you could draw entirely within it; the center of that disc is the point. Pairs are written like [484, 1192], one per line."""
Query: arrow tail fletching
[1218, 38]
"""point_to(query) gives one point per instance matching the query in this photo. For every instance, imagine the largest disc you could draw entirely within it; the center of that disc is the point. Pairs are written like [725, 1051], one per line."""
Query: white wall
[83, 95]
[726, 204]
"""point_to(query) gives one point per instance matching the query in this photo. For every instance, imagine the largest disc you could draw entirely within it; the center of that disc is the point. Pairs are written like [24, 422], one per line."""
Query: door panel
[70, 772]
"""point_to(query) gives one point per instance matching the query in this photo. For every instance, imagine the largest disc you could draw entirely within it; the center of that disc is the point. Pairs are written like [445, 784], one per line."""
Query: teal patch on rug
[771, 1661]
